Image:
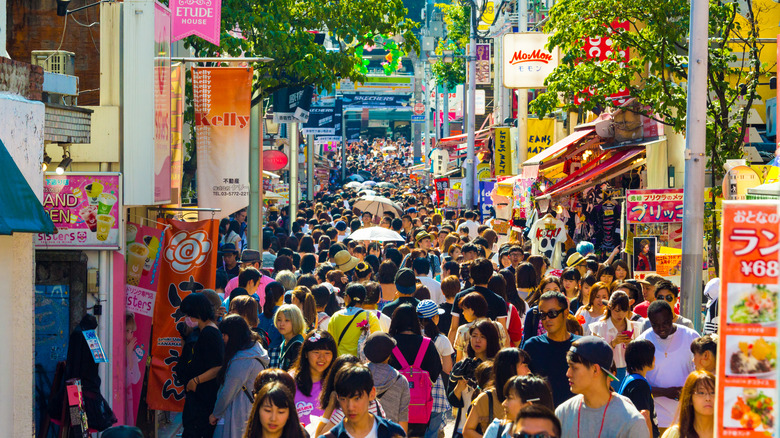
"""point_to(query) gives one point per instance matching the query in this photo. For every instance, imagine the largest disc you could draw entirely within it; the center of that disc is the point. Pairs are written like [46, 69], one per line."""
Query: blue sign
[94, 346]
[418, 119]
[485, 201]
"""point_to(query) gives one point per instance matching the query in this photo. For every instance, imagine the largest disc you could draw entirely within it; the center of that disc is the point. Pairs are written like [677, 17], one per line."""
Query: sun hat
[575, 259]
[344, 261]
[428, 309]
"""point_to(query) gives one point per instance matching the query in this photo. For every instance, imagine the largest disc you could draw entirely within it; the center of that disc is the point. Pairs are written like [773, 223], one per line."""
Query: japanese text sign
[654, 206]
[747, 346]
[526, 61]
[84, 208]
[196, 17]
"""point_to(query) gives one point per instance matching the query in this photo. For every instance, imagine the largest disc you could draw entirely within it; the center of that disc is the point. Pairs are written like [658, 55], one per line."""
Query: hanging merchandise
[546, 235]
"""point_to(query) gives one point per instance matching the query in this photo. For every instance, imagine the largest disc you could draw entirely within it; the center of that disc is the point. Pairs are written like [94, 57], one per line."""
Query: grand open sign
[274, 160]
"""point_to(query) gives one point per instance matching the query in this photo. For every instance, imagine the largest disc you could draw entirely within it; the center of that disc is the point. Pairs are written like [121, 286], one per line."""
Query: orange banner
[188, 264]
[222, 118]
[747, 346]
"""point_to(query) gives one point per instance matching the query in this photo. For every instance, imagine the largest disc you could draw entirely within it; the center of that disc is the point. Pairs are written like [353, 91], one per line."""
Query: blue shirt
[548, 359]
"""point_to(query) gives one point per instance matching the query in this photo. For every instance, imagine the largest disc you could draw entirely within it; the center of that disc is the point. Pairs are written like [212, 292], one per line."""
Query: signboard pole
[522, 94]
[344, 146]
[292, 129]
[254, 212]
[471, 165]
[310, 169]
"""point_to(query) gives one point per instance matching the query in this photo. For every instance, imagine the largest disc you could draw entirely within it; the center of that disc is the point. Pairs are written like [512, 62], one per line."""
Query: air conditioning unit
[55, 61]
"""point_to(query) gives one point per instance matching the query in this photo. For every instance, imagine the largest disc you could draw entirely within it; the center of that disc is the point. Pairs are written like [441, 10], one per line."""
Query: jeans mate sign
[503, 159]
[526, 61]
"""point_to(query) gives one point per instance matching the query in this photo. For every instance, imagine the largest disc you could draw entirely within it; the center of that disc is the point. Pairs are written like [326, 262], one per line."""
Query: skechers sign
[527, 62]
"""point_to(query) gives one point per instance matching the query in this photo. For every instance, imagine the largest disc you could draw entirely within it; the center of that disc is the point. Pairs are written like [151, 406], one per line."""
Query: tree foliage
[456, 17]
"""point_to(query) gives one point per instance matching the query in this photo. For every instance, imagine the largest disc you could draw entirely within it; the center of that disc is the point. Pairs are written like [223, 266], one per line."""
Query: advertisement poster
[668, 265]
[142, 255]
[483, 64]
[540, 135]
[747, 346]
[644, 253]
[442, 184]
[188, 263]
[503, 158]
[93, 342]
[222, 105]
[85, 209]
[654, 206]
[162, 103]
[526, 60]
[485, 200]
[196, 17]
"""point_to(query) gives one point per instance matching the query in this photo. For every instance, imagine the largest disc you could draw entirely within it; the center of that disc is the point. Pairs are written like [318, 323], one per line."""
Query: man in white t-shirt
[471, 224]
[421, 267]
[673, 359]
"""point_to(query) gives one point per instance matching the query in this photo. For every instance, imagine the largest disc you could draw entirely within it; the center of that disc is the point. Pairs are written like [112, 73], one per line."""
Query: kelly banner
[503, 159]
[196, 17]
[188, 263]
[222, 105]
[142, 255]
[747, 346]
[654, 206]
[85, 209]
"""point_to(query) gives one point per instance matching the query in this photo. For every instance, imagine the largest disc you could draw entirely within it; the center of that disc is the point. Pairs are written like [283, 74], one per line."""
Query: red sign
[274, 160]
[602, 48]
[654, 206]
[419, 108]
[747, 346]
[535, 56]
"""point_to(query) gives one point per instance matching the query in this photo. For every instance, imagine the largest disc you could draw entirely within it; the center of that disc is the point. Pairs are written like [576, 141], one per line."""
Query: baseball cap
[405, 281]
[428, 309]
[378, 347]
[596, 351]
[411, 210]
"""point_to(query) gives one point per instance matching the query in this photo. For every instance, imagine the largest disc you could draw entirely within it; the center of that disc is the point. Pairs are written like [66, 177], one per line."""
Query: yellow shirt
[340, 319]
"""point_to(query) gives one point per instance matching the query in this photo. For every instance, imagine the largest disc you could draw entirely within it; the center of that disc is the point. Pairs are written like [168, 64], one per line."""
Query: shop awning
[558, 148]
[461, 138]
[268, 174]
[22, 212]
[619, 163]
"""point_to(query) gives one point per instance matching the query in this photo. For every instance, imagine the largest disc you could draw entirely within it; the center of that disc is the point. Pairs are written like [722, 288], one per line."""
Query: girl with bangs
[615, 328]
[310, 371]
[696, 410]
[273, 414]
[595, 309]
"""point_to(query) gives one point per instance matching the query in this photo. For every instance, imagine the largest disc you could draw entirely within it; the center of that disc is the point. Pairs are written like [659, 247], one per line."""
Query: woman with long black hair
[244, 359]
[274, 297]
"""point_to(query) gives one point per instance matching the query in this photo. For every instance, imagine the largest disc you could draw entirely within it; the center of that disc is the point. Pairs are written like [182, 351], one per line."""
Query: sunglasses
[535, 435]
[552, 314]
[668, 298]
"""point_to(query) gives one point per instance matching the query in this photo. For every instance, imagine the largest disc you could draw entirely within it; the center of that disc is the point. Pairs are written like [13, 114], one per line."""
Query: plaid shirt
[440, 403]
[275, 355]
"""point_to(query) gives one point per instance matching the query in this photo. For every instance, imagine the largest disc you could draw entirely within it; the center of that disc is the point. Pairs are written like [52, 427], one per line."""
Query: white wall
[21, 130]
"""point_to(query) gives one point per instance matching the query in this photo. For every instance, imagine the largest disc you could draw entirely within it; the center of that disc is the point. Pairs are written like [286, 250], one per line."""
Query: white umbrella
[367, 192]
[388, 148]
[369, 184]
[353, 185]
[377, 205]
[376, 234]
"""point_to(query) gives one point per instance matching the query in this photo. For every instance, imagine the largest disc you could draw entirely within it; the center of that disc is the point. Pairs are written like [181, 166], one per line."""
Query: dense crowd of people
[324, 335]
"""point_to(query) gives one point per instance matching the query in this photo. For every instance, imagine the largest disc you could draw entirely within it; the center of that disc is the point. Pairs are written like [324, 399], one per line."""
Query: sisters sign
[196, 17]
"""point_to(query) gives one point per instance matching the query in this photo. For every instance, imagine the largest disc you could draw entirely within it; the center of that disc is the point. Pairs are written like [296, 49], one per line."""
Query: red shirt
[641, 308]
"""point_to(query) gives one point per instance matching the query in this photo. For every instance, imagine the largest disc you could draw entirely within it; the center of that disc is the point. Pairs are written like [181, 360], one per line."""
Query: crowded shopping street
[361, 219]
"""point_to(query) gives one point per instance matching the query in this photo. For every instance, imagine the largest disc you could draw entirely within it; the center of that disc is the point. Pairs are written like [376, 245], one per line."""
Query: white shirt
[673, 363]
[472, 226]
[607, 331]
[435, 288]
[546, 235]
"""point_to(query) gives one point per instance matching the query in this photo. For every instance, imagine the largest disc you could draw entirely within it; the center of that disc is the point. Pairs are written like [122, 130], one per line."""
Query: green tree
[456, 17]
[656, 73]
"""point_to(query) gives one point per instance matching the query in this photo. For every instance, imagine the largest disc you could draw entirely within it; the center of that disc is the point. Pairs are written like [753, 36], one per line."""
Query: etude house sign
[526, 61]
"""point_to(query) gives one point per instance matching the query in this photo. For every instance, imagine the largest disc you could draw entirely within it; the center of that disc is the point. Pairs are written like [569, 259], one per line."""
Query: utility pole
[468, 189]
[292, 129]
[695, 162]
[522, 94]
[310, 169]
[255, 210]
[427, 100]
[445, 117]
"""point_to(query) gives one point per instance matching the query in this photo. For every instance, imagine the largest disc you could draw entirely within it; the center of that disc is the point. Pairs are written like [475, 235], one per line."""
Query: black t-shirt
[445, 319]
[392, 305]
[230, 272]
[548, 359]
[496, 304]
[639, 392]
[208, 353]
[409, 346]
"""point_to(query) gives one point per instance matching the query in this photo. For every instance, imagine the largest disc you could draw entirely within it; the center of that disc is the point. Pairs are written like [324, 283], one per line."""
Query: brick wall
[21, 78]
[34, 25]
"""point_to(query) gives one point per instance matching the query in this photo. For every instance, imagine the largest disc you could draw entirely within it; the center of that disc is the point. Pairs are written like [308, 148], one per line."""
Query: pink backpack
[420, 386]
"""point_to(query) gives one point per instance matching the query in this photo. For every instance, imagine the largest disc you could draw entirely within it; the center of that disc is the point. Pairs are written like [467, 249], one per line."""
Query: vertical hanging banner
[222, 105]
[196, 17]
[142, 255]
[503, 158]
[162, 104]
[483, 64]
[540, 135]
[188, 263]
[291, 105]
[747, 346]
[177, 120]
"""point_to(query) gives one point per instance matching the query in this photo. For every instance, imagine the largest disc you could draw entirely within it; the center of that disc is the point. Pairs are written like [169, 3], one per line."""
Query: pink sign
[196, 17]
[142, 263]
[654, 206]
[162, 104]
[84, 208]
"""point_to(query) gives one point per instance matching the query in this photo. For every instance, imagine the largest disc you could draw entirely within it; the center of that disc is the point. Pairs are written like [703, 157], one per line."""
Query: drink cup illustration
[132, 231]
[93, 189]
[153, 244]
[136, 257]
[89, 214]
[104, 224]
[106, 202]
